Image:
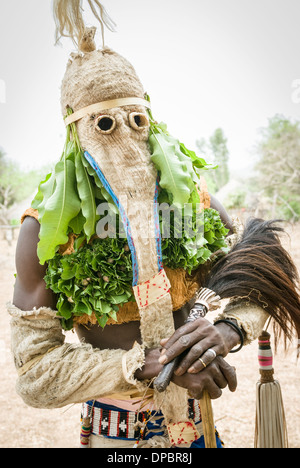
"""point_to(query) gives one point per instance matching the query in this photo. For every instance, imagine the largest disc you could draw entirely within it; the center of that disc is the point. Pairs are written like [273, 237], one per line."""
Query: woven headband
[105, 105]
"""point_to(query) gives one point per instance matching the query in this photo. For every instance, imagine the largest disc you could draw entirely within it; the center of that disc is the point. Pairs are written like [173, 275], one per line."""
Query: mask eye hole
[138, 121]
[105, 124]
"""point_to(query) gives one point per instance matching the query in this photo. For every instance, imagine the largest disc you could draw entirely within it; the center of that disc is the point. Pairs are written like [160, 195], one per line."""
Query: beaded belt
[110, 421]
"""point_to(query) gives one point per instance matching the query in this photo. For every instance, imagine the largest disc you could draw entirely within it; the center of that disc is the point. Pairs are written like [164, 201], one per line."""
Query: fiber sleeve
[53, 374]
[250, 317]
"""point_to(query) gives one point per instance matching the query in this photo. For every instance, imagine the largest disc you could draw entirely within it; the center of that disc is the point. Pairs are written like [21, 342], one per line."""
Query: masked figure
[130, 297]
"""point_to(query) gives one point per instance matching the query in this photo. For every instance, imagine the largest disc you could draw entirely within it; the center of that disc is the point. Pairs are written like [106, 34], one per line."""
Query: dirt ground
[24, 427]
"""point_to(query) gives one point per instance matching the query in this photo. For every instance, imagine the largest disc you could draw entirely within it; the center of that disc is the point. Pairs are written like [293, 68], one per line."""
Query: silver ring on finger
[210, 350]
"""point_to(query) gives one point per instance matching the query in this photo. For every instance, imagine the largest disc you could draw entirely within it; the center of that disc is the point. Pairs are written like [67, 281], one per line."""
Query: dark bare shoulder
[30, 289]
[226, 219]
[27, 262]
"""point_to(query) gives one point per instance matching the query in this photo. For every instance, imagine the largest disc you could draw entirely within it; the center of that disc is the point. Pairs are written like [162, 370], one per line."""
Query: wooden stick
[208, 421]
[164, 378]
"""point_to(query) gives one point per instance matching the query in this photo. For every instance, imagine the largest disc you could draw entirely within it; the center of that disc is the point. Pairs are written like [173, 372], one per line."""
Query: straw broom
[270, 423]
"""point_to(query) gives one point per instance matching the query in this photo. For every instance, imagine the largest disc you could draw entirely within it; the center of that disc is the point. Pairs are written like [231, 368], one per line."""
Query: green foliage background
[16, 184]
[278, 169]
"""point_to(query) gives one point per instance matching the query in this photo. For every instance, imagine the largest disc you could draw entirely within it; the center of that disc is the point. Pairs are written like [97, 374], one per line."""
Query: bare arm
[227, 221]
[30, 288]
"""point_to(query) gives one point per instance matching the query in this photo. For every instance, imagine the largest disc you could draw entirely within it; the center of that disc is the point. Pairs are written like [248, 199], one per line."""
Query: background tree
[5, 190]
[216, 152]
[279, 167]
[15, 185]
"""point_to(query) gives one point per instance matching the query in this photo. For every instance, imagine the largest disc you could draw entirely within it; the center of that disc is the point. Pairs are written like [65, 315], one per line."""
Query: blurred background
[224, 75]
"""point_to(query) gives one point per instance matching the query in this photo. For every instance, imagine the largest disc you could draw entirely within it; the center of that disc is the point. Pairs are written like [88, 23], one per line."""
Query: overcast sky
[204, 63]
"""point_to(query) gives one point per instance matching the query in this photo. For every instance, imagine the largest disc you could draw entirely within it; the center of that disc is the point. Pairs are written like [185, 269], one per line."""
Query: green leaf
[174, 175]
[87, 196]
[105, 307]
[39, 196]
[82, 308]
[71, 151]
[79, 241]
[100, 192]
[119, 299]
[200, 163]
[102, 320]
[60, 209]
[111, 204]
[210, 237]
[64, 308]
[67, 324]
[113, 315]
[91, 171]
[68, 272]
[45, 191]
[77, 224]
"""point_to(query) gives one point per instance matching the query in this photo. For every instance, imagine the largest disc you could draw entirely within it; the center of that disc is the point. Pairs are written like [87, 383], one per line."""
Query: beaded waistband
[110, 421]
